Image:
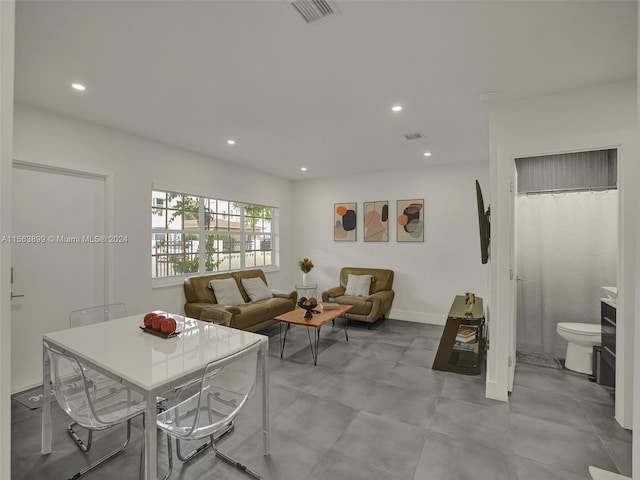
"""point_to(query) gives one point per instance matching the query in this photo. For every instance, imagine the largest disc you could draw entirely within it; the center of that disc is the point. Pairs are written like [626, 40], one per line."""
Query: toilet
[581, 338]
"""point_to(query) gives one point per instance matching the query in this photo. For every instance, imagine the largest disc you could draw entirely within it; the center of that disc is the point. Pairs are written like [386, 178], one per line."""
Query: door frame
[109, 202]
[502, 237]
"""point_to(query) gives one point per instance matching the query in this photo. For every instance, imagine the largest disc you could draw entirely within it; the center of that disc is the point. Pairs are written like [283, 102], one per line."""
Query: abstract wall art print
[410, 227]
[344, 224]
[376, 221]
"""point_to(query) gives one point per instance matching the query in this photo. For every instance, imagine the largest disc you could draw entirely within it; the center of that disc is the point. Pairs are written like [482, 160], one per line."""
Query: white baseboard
[418, 317]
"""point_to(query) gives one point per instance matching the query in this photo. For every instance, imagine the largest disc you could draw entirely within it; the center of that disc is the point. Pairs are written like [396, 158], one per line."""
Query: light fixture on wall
[78, 86]
[231, 141]
[396, 108]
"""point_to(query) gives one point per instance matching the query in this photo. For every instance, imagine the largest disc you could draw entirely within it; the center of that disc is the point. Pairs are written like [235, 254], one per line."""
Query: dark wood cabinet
[463, 357]
[608, 354]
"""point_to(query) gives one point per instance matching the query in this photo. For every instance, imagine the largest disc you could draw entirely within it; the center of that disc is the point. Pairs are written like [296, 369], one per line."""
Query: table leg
[150, 439]
[346, 321]
[46, 403]
[283, 340]
[264, 352]
[314, 352]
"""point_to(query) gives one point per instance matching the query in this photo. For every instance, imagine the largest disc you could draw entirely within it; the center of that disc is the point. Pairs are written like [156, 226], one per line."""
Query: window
[192, 234]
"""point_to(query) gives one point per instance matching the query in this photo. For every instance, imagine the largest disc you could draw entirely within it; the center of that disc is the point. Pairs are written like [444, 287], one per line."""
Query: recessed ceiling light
[78, 86]
[304, 169]
[231, 141]
[427, 154]
[488, 95]
[396, 108]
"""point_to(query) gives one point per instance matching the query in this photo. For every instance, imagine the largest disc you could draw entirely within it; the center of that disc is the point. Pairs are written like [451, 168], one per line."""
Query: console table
[457, 356]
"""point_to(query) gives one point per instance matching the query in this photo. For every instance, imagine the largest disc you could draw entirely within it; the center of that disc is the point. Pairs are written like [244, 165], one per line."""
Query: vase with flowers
[305, 265]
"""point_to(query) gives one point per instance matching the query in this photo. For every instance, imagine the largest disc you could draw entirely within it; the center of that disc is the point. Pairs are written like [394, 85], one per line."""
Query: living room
[428, 274]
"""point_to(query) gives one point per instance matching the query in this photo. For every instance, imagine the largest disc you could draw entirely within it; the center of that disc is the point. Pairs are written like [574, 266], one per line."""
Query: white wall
[599, 117]
[7, 17]
[427, 274]
[136, 164]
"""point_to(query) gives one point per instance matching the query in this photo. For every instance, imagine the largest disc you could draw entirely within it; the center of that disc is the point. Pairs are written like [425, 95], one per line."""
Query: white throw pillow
[256, 289]
[227, 292]
[358, 285]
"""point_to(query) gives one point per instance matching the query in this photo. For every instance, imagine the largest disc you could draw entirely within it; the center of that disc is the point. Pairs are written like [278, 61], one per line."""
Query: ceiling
[194, 74]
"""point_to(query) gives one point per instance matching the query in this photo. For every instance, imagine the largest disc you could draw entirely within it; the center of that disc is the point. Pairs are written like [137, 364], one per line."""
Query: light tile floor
[372, 409]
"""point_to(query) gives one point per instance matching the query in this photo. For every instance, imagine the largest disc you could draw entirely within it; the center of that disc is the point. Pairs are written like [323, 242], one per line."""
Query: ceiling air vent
[413, 136]
[312, 10]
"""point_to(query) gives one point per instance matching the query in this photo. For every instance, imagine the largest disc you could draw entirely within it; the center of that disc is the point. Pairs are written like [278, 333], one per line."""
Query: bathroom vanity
[608, 308]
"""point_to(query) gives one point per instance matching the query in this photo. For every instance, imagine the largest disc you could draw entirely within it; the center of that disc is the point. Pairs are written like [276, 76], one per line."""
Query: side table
[460, 357]
[307, 291]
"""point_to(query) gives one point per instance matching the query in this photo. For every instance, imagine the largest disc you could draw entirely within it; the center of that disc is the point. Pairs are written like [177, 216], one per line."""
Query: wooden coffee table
[296, 317]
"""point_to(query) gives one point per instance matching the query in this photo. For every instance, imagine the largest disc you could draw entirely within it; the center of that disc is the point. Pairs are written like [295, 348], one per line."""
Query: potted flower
[305, 265]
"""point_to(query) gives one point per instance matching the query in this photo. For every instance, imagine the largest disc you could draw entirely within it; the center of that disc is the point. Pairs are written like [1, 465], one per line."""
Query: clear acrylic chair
[89, 406]
[89, 316]
[101, 313]
[209, 409]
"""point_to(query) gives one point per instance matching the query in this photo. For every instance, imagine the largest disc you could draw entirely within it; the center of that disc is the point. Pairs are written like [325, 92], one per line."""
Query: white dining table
[151, 364]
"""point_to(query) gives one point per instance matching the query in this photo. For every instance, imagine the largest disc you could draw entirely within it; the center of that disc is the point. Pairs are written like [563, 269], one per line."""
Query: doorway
[566, 215]
[56, 267]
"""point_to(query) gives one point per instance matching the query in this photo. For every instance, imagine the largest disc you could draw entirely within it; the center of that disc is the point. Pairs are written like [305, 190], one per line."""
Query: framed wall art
[344, 222]
[410, 223]
[376, 221]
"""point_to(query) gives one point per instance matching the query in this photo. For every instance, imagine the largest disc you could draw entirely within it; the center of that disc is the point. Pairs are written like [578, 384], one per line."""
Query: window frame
[203, 232]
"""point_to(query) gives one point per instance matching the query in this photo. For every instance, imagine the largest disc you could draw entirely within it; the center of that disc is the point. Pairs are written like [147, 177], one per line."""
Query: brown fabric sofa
[252, 316]
[365, 308]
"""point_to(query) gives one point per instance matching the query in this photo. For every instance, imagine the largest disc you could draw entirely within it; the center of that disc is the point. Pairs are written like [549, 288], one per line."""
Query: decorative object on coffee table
[309, 304]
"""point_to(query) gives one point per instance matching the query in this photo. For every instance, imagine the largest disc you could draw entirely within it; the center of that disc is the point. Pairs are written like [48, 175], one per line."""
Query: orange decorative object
[403, 220]
[341, 210]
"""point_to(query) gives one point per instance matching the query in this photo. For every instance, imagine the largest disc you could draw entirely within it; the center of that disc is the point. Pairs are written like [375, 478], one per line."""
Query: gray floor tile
[486, 425]
[352, 391]
[418, 356]
[532, 470]
[560, 445]
[319, 421]
[551, 406]
[468, 388]
[447, 458]
[338, 467]
[541, 378]
[411, 376]
[620, 452]
[383, 443]
[414, 407]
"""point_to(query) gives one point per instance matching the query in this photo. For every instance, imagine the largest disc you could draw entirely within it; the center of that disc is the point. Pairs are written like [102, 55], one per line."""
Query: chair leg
[201, 448]
[231, 461]
[107, 456]
[84, 447]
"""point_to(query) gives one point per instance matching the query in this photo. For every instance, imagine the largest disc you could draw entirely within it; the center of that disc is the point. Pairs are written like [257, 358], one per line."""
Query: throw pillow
[256, 289]
[358, 285]
[227, 292]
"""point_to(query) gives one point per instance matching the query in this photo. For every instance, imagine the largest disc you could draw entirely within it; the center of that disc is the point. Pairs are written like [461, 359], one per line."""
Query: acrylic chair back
[101, 313]
[210, 405]
[83, 401]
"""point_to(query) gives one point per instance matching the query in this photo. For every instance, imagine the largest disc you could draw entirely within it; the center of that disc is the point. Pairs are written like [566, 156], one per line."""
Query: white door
[514, 279]
[56, 266]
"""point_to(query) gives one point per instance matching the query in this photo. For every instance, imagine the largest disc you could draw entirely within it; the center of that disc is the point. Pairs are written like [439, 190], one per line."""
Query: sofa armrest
[380, 297]
[217, 314]
[293, 295]
[332, 293]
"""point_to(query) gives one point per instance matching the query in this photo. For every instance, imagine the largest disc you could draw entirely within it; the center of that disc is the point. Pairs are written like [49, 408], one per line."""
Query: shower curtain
[567, 250]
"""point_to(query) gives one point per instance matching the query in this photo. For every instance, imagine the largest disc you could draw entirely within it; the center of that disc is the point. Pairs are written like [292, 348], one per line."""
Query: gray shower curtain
[566, 251]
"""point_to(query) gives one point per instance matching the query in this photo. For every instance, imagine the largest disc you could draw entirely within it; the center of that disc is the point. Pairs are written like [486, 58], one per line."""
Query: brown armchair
[366, 308]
